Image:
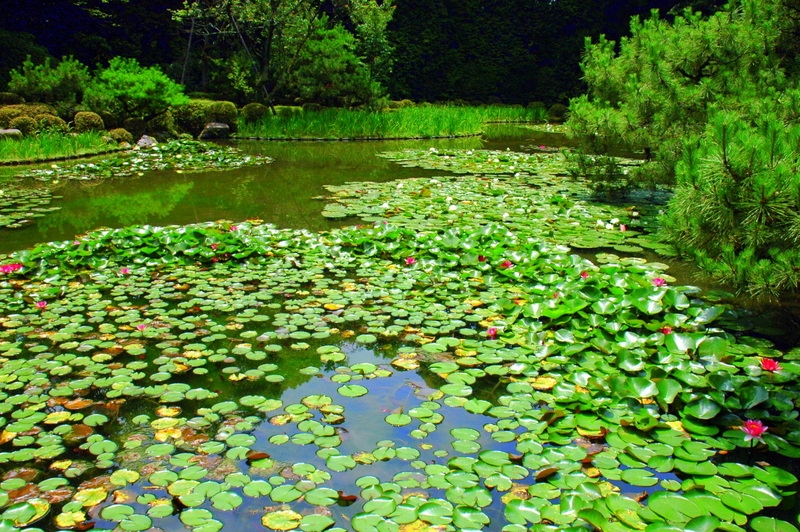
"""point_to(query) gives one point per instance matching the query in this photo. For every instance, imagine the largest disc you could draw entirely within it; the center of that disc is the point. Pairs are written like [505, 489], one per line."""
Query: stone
[215, 130]
[146, 142]
[10, 134]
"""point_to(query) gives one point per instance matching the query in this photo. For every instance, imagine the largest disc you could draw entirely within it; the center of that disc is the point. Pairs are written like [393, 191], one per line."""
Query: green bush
[64, 82]
[120, 135]
[25, 124]
[400, 104]
[129, 90]
[30, 110]
[88, 121]
[48, 122]
[192, 116]
[10, 98]
[254, 112]
[557, 113]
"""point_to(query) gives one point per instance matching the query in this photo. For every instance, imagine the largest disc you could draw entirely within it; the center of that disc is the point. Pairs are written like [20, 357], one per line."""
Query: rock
[215, 130]
[146, 142]
[10, 134]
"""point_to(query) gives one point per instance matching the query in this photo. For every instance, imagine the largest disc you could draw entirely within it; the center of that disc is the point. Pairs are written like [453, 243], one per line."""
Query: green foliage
[10, 112]
[192, 116]
[329, 72]
[48, 145]
[667, 76]
[737, 203]
[88, 121]
[253, 112]
[129, 90]
[25, 124]
[62, 83]
[48, 122]
[121, 135]
[10, 98]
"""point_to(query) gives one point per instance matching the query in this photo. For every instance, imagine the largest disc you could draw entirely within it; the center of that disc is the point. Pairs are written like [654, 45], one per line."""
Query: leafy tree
[63, 83]
[128, 90]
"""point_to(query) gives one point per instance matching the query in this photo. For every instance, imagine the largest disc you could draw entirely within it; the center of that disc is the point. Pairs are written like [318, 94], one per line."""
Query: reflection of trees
[115, 209]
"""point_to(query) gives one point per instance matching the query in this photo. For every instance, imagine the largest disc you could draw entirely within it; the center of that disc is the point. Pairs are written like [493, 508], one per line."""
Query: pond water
[235, 395]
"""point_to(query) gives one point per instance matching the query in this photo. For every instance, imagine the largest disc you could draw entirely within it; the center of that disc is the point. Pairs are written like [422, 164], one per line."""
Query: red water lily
[481, 258]
[658, 281]
[491, 332]
[141, 326]
[234, 228]
[753, 429]
[214, 246]
[665, 330]
[584, 274]
[125, 271]
[10, 268]
[506, 264]
[41, 305]
[769, 364]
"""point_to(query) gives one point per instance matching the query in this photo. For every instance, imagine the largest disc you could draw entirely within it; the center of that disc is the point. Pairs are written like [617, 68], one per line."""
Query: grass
[408, 122]
[50, 146]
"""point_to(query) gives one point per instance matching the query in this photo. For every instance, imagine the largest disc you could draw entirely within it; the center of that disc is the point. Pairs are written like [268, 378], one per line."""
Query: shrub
[222, 111]
[48, 122]
[30, 110]
[88, 121]
[307, 107]
[25, 124]
[10, 98]
[129, 90]
[162, 127]
[45, 83]
[192, 116]
[121, 135]
[254, 112]
[110, 119]
[136, 126]
[401, 104]
[557, 113]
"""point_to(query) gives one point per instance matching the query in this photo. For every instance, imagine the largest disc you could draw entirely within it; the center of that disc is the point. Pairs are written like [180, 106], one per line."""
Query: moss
[48, 122]
[88, 121]
[120, 135]
[253, 112]
[25, 124]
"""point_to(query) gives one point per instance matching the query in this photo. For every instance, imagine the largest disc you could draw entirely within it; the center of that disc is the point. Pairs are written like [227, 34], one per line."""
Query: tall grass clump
[424, 121]
[53, 145]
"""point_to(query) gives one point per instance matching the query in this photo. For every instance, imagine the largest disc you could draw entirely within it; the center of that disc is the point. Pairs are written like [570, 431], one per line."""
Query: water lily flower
[141, 326]
[658, 281]
[41, 305]
[234, 228]
[753, 429]
[769, 364]
[410, 261]
[214, 246]
[11, 268]
[491, 332]
[623, 227]
[584, 274]
[481, 258]
[506, 264]
[125, 271]
[665, 330]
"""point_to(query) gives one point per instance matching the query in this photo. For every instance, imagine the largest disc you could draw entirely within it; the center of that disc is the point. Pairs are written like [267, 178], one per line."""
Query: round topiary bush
[224, 112]
[88, 121]
[30, 110]
[10, 98]
[47, 122]
[121, 135]
[557, 113]
[254, 112]
[25, 124]
[193, 116]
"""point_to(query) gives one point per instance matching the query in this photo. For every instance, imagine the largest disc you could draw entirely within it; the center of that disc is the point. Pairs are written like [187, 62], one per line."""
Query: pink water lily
[10, 268]
[658, 281]
[234, 228]
[491, 332]
[141, 326]
[753, 429]
[769, 364]
[214, 246]
[410, 261]
[506, 264]
[665, 330]
[584, 274]
[623, 227]
[125, 271]
[41, 305]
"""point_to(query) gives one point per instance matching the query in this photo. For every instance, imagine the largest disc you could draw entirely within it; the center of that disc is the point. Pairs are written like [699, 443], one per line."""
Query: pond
[448, 365]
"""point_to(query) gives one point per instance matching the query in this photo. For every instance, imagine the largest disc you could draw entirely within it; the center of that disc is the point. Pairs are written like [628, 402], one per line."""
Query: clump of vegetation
[31, 110]
[48, 145]
[193, 115]
[62, 83]
[48, 122]
[129, 90]
[121, 135]
[88, 121]
[253, 112]
[25, 124]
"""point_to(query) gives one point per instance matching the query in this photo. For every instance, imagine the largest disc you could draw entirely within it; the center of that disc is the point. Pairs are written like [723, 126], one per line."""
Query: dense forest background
[507, 51]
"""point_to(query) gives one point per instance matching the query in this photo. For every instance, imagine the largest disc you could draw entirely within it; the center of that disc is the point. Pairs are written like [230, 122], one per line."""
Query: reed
[426, 121]
[52, 145]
